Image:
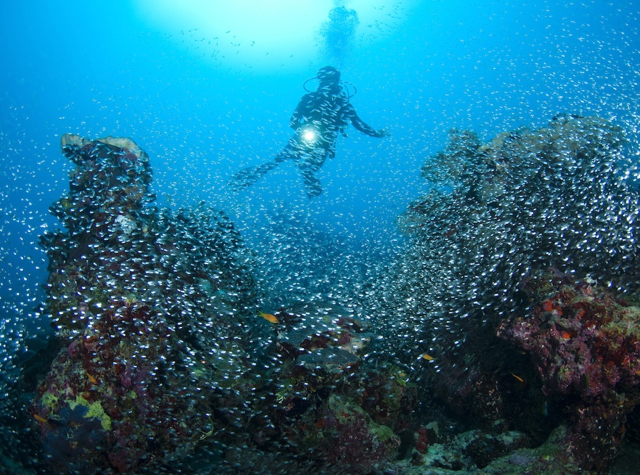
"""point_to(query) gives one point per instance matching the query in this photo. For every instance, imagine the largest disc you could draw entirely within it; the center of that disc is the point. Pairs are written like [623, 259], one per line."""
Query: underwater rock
[334, 410]
[322, 336]
[497, 214]
[351, 438]
[499, 211]
[527, 200]
[465, 454]
[326, 420]
[154, 309]
[166, 363]
[585, 345]
[156, 314]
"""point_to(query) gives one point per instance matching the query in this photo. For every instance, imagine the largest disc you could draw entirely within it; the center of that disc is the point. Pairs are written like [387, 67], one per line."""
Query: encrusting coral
[140, 299]
[499, 328]
[585, 345]
[498, 215]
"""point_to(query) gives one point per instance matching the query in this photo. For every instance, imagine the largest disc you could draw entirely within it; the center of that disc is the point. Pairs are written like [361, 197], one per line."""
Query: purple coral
[585, 346]
[351, 439]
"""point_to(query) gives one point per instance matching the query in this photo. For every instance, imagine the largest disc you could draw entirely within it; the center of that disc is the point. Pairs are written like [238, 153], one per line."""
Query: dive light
[309, 134]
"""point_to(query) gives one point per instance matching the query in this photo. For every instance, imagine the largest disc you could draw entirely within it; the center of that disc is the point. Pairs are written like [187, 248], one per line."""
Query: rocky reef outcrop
[154, 310]
[166, 363]
[585, 346]
[504, 340]
[521, 276]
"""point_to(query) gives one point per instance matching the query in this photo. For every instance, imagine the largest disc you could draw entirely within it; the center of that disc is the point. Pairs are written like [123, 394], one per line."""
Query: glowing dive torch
[309, 135]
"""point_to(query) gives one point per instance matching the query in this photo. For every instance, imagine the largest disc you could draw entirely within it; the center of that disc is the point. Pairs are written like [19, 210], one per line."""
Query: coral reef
[497, 215]
[156, 317]
[585, 345]
[527, 200]
[465, 453]
[336, 411]
[154, 308]
[498, 343]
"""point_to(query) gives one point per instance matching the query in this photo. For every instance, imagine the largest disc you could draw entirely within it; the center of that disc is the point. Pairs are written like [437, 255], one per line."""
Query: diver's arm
[300, 113]
[296, 118]
[361, 126]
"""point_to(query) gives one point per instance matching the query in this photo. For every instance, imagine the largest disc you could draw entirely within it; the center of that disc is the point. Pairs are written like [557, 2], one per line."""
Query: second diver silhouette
[318, 119]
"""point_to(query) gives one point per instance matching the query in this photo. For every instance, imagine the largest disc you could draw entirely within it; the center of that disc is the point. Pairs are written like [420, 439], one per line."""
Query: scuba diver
[318, 119]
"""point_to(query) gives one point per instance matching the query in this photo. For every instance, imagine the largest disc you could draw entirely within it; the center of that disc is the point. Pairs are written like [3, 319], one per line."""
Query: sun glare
[260, 34]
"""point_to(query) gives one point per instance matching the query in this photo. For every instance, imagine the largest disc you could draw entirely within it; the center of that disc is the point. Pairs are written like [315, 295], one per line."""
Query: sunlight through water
[261, 34]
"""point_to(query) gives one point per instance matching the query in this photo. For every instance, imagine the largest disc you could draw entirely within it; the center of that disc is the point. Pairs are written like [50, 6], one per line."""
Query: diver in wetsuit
[318, 119]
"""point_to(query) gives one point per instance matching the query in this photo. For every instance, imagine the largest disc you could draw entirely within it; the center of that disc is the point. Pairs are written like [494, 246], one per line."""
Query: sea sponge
[94, 411]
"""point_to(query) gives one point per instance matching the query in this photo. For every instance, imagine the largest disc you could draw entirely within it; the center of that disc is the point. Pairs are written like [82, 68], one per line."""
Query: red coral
[578, 342]
[422, 440]
[585, 346]
[353, 440]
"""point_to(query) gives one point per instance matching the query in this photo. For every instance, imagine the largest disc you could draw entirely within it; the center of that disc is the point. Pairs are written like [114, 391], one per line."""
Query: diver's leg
[309, 165]
[290, 152]
[250, 175]
[311, 183]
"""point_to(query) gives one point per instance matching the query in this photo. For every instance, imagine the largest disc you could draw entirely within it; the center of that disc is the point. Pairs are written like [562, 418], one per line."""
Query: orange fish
[40, 418]
[92, 379]
[268, 317]
[517, 377]
[566, 335]
[427, 357]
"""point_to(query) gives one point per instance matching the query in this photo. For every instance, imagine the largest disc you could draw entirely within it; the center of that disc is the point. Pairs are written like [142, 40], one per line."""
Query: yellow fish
[40, 419]
[268, 317]
[517, 377]
[427, 357]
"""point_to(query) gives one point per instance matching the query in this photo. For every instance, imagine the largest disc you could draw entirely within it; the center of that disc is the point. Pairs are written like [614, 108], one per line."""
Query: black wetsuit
[318, 119]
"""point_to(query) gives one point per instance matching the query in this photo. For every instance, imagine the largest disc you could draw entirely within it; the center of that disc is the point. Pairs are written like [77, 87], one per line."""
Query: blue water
[421, 68]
